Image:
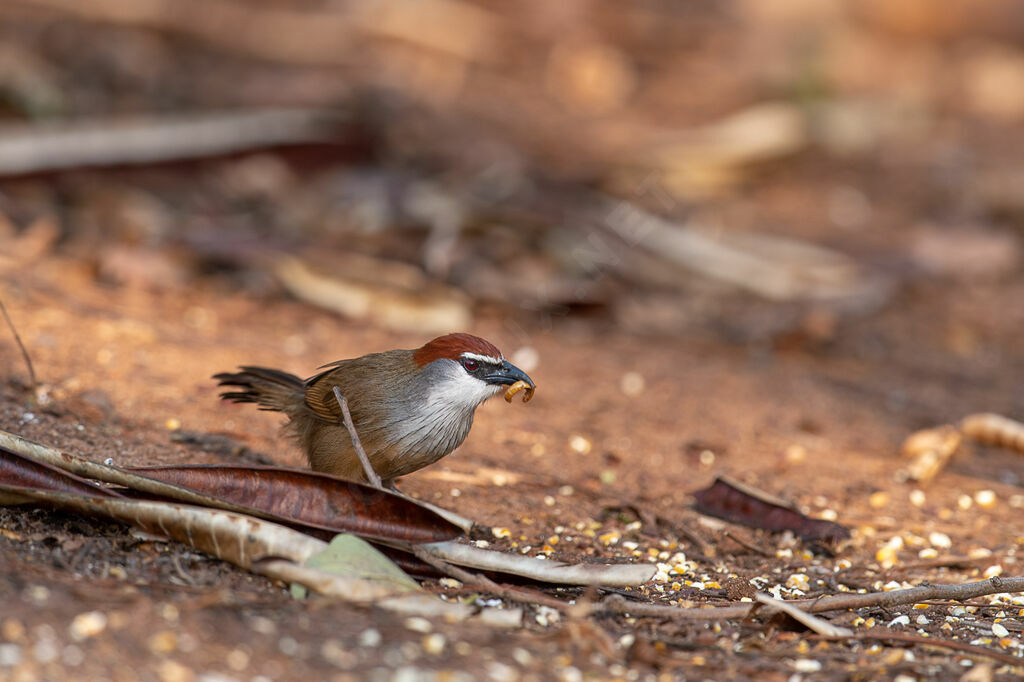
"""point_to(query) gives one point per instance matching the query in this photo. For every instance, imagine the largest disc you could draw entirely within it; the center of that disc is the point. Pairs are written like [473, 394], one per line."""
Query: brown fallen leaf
[739, 503]
[373, 513]
[313, 501]
[21, 471]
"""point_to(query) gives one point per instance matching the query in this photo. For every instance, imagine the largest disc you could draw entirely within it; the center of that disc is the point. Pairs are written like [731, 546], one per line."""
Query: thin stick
[839, 602]
[936, 642]
[24, 353]
[371, 475]
[484, 584]
[819, 625]
[749, 546]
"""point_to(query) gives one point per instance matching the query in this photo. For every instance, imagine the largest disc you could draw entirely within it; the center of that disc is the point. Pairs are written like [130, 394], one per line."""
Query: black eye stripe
[475, 365]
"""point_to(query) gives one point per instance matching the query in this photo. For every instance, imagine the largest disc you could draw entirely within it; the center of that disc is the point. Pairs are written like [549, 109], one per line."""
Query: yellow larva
[994, 429]
[511, 391]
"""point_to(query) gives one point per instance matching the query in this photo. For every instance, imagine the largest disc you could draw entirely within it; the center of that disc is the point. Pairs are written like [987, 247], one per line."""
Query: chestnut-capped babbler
[410, 407]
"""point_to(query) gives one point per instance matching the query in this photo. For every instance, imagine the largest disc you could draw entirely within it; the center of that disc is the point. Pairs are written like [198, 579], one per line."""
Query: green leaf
[353, 557]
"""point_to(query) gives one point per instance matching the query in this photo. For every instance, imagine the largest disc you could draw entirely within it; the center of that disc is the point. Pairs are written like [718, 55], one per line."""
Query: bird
[410, 408]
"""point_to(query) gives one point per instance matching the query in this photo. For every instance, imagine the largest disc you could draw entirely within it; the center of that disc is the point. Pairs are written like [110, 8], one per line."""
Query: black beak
[508, 374]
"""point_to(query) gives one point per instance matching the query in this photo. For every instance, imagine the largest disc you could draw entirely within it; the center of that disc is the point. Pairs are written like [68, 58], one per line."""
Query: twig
[819, 625]
[371, 475]
[549, 571]
[35, 149]
[914, 595]
[937, 642]
[21, 346]
[484, 584]
[746, 545]
[839, 602]
[942, 562]
[180, 570]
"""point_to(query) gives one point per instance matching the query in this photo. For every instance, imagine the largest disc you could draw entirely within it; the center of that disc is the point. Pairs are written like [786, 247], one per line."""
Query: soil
[132, 286]
[821, 429]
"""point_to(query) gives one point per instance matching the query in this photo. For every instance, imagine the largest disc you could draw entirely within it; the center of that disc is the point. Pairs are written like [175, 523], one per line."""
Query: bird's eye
[470, 364]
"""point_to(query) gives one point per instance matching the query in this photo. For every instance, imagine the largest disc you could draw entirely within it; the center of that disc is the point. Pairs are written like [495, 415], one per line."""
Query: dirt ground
[131, 286]
[819, 428]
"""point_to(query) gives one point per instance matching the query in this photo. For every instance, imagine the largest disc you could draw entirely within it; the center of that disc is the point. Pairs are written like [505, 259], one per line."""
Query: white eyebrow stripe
[482, 358]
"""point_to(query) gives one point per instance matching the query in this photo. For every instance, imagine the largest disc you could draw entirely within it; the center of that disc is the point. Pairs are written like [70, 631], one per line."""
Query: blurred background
[767, 173]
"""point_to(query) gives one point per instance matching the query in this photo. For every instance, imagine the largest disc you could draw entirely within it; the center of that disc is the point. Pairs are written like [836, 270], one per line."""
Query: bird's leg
[371, 475]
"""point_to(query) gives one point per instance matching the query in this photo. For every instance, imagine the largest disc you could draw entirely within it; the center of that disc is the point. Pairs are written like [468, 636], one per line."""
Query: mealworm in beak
[519, 386]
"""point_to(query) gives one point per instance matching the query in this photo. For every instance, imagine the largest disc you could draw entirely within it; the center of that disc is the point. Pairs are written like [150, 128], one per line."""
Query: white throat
[438, 419]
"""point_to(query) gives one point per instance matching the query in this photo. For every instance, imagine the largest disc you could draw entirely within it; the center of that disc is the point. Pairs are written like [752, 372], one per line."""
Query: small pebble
[986, 499]
[434, 643]
[12, 630]
[172, 671]
[940, 540]
[369, 638]
[806, 665]
[795, 454]
[632, 384]
[993, 571]
[88, 624]
[579, 444]
[418, 624]
[999, 630]
[899, 621]
[917, 497]
[800, 581]
[10, 655]
[287, 645]
[163, 642]
[237, 660]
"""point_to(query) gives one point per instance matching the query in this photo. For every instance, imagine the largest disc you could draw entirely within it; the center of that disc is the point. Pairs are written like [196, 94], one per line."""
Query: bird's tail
[271, 389]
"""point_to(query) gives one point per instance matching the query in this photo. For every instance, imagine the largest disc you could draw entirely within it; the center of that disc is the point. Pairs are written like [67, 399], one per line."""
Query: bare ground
[819, 426]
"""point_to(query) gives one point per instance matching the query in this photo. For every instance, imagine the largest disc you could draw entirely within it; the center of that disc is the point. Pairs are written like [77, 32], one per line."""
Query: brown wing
[320, 392]
[363, 381]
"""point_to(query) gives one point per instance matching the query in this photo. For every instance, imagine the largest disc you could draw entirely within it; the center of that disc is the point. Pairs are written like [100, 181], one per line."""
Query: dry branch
[611, 575]
[34, 149]
[819, 625]
[939, 643]
[346, 415]
[108, 474]
[21, 347]
[482, 583]
[838, 602]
